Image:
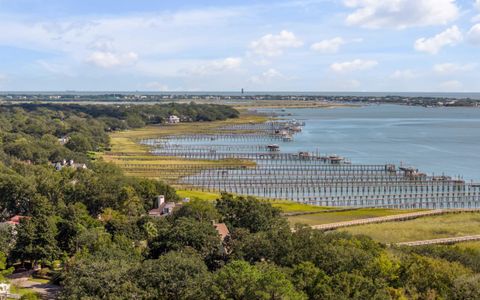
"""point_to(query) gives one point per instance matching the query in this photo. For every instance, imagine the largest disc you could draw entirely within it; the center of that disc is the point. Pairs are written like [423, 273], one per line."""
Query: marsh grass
[449, 225]
[342, 216]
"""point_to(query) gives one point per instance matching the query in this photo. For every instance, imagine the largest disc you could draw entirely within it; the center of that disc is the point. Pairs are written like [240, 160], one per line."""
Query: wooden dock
[450, 240]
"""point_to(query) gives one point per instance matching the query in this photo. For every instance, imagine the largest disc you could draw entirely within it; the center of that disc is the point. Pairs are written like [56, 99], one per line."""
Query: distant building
[4, 290]
[71, 164]
[163, 208]
[173, 119]
[63, 140]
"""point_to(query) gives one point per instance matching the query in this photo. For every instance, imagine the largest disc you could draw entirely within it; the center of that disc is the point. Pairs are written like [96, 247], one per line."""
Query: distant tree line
[32, 132]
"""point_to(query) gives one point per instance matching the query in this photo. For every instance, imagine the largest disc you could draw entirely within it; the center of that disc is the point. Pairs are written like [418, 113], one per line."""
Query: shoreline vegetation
[88, 228]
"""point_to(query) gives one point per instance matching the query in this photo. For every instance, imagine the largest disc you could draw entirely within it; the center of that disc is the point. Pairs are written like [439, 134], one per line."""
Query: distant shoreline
[458, 95]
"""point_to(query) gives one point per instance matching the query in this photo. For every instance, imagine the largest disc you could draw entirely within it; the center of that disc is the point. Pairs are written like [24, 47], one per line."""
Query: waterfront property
[313, 178]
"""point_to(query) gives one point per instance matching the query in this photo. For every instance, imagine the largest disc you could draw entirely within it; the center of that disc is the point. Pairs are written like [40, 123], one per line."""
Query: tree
[75, 220]
[131, 204]
[426, 275]
[79, 142]
[6, 238]
[3, 267]
[200, 210]
[17, 192]
[355, 286]
[249, 212]
[186, 233]
[312, 281]
[175, 275]
[467, 288]
[25, 237]
[236, 280]
[35, 240]
[240, 280]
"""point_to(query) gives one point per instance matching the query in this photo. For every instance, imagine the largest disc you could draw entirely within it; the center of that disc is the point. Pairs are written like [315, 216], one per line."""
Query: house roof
[15, 220]
[157, 211]
[222, 230]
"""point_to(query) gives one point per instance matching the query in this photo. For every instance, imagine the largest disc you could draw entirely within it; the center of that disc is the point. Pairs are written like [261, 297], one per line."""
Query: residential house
[61, 164]
[163, 208]
[173, 119]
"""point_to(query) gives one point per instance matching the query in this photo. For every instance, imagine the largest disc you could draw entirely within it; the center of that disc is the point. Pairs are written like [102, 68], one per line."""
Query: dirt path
[47, 291]
[441, 241]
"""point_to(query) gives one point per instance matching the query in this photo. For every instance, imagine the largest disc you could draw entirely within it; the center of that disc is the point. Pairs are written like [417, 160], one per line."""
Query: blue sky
[298, 45]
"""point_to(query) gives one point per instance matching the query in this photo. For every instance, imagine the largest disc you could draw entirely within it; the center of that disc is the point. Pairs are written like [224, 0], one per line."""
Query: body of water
[435, 140]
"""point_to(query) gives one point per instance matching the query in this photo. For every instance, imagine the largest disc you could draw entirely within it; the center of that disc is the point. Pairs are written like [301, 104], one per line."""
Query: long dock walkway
[393, 218]
[450, 240]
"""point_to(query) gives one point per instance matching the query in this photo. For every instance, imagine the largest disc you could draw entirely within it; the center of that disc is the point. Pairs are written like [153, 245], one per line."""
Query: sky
[199, 45]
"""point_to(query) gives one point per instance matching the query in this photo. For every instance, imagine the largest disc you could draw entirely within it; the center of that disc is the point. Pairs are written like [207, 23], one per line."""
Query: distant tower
[242, 90]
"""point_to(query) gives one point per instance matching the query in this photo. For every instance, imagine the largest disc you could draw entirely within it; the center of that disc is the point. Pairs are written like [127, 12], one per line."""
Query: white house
[173, 119]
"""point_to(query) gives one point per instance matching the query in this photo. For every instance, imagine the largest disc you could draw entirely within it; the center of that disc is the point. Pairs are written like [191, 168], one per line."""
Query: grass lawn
[293, 207]
[341, 216]
[449, 225]
[39, 280]
[469, 245]
[198, 194]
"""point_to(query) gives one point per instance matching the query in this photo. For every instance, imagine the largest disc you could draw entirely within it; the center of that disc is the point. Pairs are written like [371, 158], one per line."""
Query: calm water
[435, 140]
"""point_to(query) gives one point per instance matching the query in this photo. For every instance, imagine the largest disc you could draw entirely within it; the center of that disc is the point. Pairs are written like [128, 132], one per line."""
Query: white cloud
[110, 60]
[274, 45]
[403, 74]
[401, 14]
[473, 35]
[267, 76]
[450, 68]
[146, 35]
[354, 65]
[215, 66]
[451, 85]
[477, 4]
[433, 45]
[329, 46]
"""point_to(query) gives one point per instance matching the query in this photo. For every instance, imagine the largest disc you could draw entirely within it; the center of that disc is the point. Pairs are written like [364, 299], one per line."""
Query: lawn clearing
[342, 216]
[295, 207]
[435, 227]
[198, 195]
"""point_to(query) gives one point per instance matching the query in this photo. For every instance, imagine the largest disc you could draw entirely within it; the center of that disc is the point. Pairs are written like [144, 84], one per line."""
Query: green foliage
[94, 221]
[186, 232]
[3, 267]
[36, 240]
[428, 276]
[240, 280]
[175, 275]
[249, 212]
[469, 257]
[6, 238]
[200, 210]
[30, 296]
